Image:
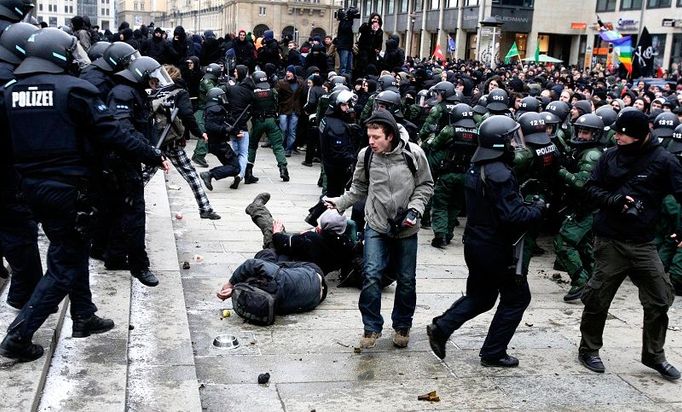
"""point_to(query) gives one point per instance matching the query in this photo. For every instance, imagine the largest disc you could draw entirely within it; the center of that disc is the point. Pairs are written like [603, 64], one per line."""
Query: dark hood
[242, 72]
[180, 32]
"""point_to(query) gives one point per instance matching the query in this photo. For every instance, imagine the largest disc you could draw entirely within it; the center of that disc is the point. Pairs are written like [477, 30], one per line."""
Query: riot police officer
[385, 82]
[13, 11]
[219, 130]
[54, 156]
[573, 243]
[496, 219]
[208, 81]
[18, 228]
[444, 93]
[337, 142]
[115, 58]
[128, 102]
[390, 100]
[264, 113]
[457, 141]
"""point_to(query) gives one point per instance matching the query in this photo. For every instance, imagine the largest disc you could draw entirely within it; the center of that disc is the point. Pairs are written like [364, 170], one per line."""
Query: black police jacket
[57, 122]
[336, 141]
[240, 96]
[6, 72]
[647, 175]
[496, 213]
[100, 79]
[129, 105]
[215, 117]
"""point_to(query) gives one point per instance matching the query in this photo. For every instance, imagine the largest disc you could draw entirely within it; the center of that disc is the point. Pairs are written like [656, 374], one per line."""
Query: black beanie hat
[632, 123]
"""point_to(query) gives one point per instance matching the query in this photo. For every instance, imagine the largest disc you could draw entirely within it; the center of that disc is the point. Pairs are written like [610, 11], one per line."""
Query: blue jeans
[396, 256]
[345, 61]
[241, 147]
[288, 124]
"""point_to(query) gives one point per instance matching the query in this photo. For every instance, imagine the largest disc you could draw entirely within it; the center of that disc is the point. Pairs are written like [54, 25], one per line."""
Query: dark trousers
[19, 245]
[127, 237]
[54, 204]
[614, 260]
[338, 176]
[260, 215]
[226, 156]
[491, 273]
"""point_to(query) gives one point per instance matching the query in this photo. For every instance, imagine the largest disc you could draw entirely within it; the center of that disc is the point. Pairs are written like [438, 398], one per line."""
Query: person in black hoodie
[393, 56]
[344, 43]
[269, 52]
[210, 49]
[240, 96]
[126, 35]
[318, 58]
[369, 44]
[315, 91]
[180, 46]
[244, 51]
[192, 74]
[157, 47]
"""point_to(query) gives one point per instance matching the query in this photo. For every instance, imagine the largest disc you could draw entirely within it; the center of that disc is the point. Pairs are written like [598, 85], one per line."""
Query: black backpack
[253, 304]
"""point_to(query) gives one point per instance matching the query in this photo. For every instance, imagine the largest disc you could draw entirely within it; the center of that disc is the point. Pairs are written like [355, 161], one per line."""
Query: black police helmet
[388, 82]
[480, 107]
[390, 100]
[214, 96]
[495, 136]
[15, 10]
[97, 50]
[534, 128]
[117, 57]
[498, 100]
[13, 42]
[462, 115]
[675, 145]
[422, 97]
[528, 104]
[559, 109]
[50, 50]
[260, 79]
[337, 80]
[583, 106]
[214, 68]
[665, 124]
[139, 70]
[607, 114]
[590, 122]
[447, 91]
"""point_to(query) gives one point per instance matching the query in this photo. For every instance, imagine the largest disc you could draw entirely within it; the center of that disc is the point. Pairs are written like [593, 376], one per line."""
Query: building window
[658, 44]
[403, 6]
[517, 3]
[71, 9]
[261, 11]
[142, 6]
[435, 5]
[53, 22]
[606, 5]
[390, 7]
[676, 51]
[451, 4]
[631, 4]
[40, 7]
[657, 4]
[418, 5]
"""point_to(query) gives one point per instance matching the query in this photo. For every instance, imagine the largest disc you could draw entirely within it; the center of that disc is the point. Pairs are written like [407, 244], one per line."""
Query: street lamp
[489, 21]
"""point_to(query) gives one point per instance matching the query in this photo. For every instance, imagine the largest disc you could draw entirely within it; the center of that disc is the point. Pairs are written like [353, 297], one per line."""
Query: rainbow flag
[624, 51]
[612, 36]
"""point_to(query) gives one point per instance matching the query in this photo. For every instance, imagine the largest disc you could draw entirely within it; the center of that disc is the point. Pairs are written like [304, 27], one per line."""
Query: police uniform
[54, 156]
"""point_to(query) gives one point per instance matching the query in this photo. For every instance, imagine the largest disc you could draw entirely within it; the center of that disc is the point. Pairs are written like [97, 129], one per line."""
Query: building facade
[59, 12]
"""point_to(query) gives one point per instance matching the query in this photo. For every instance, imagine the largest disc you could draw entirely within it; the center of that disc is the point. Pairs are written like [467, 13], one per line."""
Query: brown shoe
[369, 339]
[401, 337]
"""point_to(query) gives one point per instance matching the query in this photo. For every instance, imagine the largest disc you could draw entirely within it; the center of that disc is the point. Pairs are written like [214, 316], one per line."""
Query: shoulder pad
[592, 155]
[83, 86]
[497, 172]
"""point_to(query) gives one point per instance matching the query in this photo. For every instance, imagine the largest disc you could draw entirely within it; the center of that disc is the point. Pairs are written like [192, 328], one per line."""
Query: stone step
[22, 383]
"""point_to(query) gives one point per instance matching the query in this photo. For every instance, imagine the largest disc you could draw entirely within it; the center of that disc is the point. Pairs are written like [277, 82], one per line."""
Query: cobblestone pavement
[310, 356]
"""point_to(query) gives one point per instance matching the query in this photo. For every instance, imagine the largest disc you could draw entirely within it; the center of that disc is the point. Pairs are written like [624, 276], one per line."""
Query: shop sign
[578, 25]
[513, 19]
[470, 18]
[627, 24]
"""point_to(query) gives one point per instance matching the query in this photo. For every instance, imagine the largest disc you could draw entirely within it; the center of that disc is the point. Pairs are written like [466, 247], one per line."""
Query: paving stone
[241, 398]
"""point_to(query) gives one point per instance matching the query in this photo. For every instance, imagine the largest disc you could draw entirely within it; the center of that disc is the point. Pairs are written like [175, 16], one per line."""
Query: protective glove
[616, 202]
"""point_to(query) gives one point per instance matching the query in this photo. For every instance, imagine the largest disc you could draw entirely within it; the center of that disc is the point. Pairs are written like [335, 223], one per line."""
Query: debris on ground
[198, 258]
[131, 327]
[263, 378]
[431, 397]
[342, 344]
[530, 325]
[226, 313]
[185, 265]
[357, 350]
[178, 216]
[556, 277]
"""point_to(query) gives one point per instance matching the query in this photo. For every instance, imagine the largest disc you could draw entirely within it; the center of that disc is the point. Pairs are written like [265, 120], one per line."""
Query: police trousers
[614, 260]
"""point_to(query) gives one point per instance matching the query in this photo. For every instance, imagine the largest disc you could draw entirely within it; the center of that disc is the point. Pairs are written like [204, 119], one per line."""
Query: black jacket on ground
[326, 249]
[647, 175]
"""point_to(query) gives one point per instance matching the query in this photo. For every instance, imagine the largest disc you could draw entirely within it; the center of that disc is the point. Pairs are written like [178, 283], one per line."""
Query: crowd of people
[405, 143]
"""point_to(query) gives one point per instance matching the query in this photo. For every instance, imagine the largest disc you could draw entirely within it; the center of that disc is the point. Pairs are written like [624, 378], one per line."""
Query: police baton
[246, 109]
[518, 254]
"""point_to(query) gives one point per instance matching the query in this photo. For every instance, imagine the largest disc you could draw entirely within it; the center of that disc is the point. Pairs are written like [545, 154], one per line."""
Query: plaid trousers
[183, 165]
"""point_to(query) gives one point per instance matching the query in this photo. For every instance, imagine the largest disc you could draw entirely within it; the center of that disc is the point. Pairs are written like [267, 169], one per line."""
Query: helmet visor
[515, 138]
[162, 76]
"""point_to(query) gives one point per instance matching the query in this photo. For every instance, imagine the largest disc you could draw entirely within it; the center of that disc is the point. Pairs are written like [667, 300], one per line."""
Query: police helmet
[583, 107]
[260, 79]
[665, 124]
[534, 128]
[462, 115]
[388, 82]
[117, 57]
[51, 50]
[480, 107]
[66, 29]
[422, 97]
[214, 96]
[140, 70]
[497, 135]
[552, 122]
[607, 114]
[97, 50]
[559, 109]
[337, 80]
[214, 68]
[15, 10]
[528, 104]
[498, 100]
[675, 145]
[340, 97]
[447, 92]
[13, 42]
[591, 123]
[389, 100]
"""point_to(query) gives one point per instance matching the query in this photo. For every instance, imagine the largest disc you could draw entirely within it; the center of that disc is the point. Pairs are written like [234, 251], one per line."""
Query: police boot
[206, 177]
[677, 285]
[260, 200]
[21, 349]
[439, 242]
[146, 277]
[235, 183]
[84, 327]
[284, 173]
[577, 287]
[248, 175]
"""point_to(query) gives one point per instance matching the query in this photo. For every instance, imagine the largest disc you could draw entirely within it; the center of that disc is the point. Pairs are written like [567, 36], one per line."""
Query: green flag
[513, 51]
[537, 53]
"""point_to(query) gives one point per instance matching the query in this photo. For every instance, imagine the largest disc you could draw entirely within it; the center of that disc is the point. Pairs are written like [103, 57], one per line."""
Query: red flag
[438, 54]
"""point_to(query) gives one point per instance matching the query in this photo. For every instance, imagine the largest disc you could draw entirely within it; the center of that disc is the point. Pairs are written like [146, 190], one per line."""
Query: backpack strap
[408, 160]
